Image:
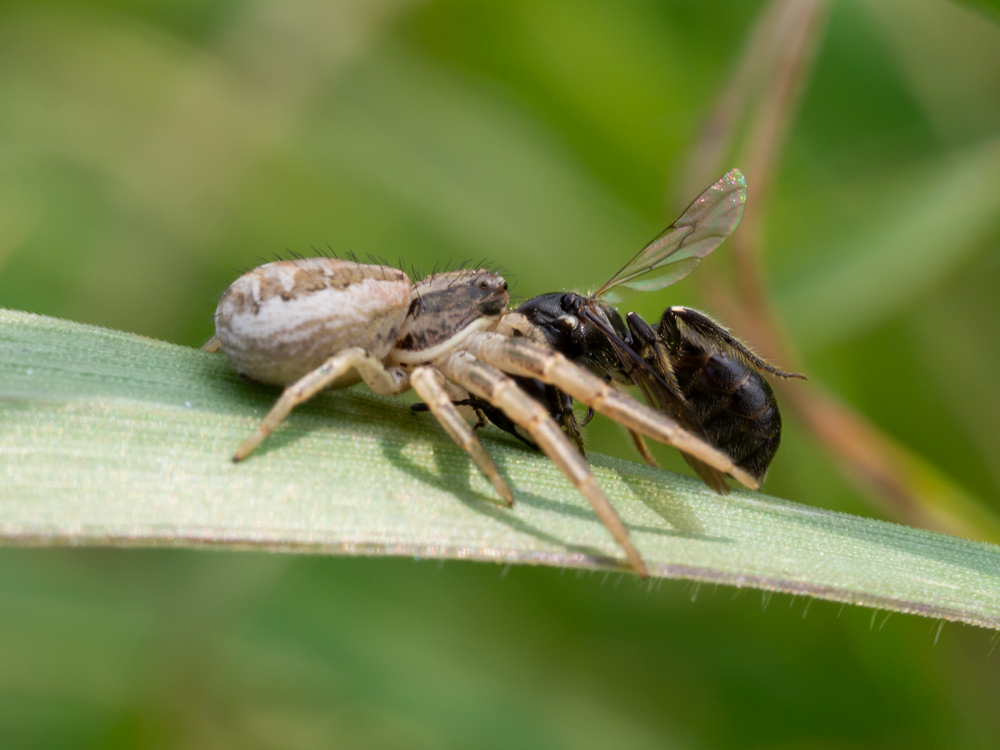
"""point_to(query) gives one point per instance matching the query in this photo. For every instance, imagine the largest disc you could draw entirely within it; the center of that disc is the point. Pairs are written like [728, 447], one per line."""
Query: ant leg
[685, 324]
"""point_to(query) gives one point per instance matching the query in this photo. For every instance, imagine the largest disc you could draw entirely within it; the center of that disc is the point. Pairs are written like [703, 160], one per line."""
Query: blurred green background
[150, 152]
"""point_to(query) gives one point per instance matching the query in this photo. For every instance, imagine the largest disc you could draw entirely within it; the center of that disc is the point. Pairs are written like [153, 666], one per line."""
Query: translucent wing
[676, 251]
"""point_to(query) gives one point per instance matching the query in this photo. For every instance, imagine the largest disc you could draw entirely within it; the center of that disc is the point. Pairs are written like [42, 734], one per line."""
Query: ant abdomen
[733, 402]
[724, 384]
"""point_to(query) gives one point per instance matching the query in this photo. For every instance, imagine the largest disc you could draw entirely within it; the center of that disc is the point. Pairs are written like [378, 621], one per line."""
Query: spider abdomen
[284, 319]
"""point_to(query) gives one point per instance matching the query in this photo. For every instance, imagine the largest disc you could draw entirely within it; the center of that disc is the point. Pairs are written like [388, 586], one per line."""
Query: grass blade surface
[108, 438]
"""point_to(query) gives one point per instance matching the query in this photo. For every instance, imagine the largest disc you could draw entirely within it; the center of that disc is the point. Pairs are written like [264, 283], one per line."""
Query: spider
[317, 323]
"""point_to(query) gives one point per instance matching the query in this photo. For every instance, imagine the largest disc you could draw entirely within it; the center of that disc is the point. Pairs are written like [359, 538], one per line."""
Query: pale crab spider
[318, 323]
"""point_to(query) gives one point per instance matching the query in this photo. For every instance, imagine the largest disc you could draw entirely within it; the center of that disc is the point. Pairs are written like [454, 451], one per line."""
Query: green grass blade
[108, 438]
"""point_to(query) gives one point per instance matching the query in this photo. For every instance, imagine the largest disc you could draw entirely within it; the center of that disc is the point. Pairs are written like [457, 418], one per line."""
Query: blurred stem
[902, 484]
[793, 36]
[770, 79]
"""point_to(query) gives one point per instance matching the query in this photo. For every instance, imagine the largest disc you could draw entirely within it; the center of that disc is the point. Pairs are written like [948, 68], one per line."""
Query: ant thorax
[447, 308]
[578, 327]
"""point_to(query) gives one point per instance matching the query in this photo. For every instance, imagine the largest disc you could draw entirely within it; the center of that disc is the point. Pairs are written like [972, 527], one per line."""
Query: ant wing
[680, 247]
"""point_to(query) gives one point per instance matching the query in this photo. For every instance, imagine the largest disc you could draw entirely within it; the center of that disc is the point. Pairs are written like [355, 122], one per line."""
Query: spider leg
[522, 357]
[498, 389]
[371, 370]
[212, 345]
[426, 382]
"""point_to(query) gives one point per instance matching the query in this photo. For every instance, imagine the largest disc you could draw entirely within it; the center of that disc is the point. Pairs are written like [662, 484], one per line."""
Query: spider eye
[569, 322]
[484, 284]
[505, 286]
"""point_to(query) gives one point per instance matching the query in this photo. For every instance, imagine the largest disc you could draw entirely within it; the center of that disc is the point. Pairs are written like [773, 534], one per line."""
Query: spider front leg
[380, 379]
[525, 358]
[426, 382]
[493, 386]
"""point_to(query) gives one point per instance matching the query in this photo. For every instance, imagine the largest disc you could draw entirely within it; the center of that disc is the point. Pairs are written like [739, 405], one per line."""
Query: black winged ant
[688, 367]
